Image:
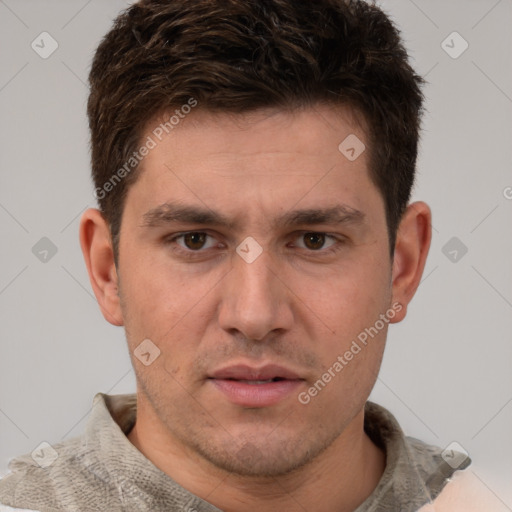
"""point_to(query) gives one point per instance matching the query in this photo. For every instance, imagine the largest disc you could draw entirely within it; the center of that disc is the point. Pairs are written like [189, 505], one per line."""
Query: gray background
[447, 370]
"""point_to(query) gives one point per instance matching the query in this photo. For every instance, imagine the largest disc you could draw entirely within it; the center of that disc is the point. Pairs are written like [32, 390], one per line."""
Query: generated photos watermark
[150, 143]
[356, 347]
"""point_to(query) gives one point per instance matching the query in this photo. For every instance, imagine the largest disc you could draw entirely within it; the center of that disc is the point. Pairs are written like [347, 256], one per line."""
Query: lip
[246, 372]
[237, 384]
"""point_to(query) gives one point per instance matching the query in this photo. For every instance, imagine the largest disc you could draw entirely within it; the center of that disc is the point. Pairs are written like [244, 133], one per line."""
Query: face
[254, 255]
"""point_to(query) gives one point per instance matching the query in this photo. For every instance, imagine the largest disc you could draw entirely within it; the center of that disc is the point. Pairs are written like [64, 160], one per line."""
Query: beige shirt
[101, 470]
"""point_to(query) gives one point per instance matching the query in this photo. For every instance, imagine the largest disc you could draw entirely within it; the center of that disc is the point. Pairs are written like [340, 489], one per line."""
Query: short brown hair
[240, 55]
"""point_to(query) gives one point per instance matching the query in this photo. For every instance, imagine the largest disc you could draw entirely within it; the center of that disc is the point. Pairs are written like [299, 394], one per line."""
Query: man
[253, 163]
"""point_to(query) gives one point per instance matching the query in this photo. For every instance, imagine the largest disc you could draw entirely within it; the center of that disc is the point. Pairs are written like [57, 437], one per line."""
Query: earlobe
[98, 253]
[411, 250]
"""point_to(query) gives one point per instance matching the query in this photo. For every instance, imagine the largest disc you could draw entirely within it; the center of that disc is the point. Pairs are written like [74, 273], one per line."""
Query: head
[234, 229]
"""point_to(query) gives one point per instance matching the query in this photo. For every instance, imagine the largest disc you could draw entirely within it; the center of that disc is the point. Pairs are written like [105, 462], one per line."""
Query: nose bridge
[254, 302]
[255, 276]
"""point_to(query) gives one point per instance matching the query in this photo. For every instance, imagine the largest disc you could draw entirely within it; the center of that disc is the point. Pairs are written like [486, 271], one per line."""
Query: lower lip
[256, 395]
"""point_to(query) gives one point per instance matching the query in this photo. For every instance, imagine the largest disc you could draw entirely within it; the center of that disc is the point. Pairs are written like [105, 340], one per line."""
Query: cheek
[169, 306]
[349, 333]
[347, 300]
[152, 300]
[350, 366]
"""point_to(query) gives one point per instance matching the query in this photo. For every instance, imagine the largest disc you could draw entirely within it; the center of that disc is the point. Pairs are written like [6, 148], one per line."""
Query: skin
[298, 304]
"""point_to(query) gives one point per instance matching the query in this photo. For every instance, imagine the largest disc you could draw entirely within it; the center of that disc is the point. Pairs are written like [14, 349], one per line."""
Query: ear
[98, 253]
[411, 249]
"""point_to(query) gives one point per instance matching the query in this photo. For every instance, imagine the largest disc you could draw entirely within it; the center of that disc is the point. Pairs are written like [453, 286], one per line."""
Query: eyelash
[189, 253]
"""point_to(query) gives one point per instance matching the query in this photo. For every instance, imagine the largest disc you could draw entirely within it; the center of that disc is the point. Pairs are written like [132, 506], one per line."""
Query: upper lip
[246, 372]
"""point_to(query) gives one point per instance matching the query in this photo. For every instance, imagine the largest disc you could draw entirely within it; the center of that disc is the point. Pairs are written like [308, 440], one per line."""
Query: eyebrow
[172, 212]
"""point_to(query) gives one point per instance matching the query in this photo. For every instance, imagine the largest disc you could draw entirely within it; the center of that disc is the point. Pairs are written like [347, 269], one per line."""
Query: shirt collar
[415, 472]
[115, 460]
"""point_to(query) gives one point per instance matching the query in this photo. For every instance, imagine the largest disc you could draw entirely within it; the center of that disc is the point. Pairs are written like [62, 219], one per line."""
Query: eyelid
[327, 235]
[176, 236]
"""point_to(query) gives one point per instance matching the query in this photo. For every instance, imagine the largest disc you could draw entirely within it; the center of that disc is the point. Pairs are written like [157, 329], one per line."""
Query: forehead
[308, 131]
[257, 161]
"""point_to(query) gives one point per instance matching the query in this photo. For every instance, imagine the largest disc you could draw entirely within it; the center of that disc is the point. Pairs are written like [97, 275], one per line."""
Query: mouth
[252, 387]
[268, 372]
[256, 382]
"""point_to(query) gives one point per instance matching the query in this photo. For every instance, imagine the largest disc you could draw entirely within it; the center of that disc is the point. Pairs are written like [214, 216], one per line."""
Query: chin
[259, 458]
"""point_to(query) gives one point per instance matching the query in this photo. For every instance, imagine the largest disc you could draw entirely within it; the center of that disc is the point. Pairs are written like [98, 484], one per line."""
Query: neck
[340, 478]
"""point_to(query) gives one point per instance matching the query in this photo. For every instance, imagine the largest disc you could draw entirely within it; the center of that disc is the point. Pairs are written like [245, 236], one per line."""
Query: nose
[255, 301]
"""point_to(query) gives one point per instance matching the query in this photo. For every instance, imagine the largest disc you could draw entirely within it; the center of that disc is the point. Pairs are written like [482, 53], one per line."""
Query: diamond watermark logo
[455, 455]
[44, 455]
[44, 250]
[454, 249]
[44, 45]
[454, 45]
[146, 352]
[352, 147]
[249, 249]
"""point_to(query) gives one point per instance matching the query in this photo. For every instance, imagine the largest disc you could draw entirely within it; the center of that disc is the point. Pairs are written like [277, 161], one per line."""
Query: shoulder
[33, 484]
[465, 492]
[89, 467]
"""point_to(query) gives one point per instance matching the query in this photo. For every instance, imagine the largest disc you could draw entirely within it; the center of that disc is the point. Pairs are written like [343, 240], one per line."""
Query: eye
[315, 241]
[193, 240]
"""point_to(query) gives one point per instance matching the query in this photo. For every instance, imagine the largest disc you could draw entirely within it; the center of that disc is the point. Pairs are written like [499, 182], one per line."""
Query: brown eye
[194, 240]
[314, 241]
